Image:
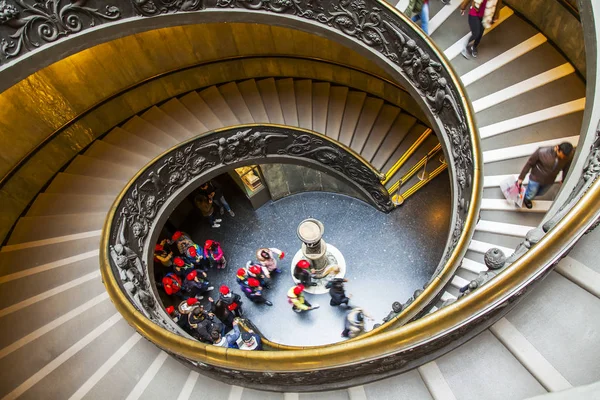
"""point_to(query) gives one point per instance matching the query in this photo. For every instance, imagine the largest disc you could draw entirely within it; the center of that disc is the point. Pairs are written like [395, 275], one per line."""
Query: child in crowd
[214, 254]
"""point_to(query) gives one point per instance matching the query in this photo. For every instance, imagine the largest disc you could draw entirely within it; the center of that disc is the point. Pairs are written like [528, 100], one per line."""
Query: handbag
[512, 191]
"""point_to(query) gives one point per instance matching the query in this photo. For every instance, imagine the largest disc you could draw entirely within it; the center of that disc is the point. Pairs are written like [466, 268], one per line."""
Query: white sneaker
[210, 288]
[215, 225]
[218, 220]
[315, 306]
[199, 297]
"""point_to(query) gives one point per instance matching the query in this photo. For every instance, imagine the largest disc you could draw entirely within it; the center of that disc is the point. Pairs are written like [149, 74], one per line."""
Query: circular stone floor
[388, 256]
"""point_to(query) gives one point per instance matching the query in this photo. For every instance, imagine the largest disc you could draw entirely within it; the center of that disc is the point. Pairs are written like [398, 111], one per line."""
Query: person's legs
[425, 18]
[532, 190]
[222, 203]
[479, 32]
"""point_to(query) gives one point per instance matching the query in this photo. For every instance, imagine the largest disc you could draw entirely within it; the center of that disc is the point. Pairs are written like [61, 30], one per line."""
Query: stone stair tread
[89, 166]
[287, 98]
[165, 123]
[177, 111]
[401, 127]
[80, 184]
[198, 107]
[303, 90]
[320, 103]
[352, 111]
[121, 138]
[30, 229]
[110, 153]
[366, 120]
[268, 92]
[253, 100]
[213, 98]
[336, 106]
[381, 127]
[149, 132]
[235, 100]
[59, 203]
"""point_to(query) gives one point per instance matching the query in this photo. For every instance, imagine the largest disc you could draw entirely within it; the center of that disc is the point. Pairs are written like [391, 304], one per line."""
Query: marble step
[121, 138]
[79, 184]
[110, 153]
[320, 103]
[354, 105]
[47, 204]
[29, 229]
[381, 128]
[303, 91]
[88, 166]
[198, 107]
[336, 106]
[400, 129]
[215, 101]
[165, 123]
[287, 98]
[236, 103]
[149, 132]
[252, 98]
[366, 120]
[268, 92]
[177, 111]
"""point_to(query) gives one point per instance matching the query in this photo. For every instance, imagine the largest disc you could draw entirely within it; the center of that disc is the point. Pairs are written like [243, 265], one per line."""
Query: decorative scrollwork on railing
[140, 206]
[46, 21]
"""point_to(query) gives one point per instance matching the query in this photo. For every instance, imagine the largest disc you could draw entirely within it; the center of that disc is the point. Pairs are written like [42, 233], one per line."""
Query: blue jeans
[424, 17]
[221, 202]
[535, 189]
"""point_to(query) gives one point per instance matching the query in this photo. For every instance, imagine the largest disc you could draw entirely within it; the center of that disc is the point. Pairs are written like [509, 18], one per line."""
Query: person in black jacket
[212, 190]
[337, 292]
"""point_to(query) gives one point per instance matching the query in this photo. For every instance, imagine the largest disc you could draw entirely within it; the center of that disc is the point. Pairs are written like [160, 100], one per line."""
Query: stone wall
[558, 24]
[287, 179]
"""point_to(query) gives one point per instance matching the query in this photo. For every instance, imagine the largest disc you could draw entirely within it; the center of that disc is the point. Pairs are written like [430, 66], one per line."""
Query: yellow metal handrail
[406, 156]
[415, 168]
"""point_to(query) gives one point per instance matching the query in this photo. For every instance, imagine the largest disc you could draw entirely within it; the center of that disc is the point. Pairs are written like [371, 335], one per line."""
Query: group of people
[219, 325]
[256, 276]
[481, 15]
[187, 280]
[188, 264]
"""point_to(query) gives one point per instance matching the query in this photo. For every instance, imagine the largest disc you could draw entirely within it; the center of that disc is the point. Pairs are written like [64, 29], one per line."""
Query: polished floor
[388, 255]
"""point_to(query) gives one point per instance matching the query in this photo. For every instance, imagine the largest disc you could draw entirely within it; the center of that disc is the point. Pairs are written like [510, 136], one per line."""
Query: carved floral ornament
[140, 206]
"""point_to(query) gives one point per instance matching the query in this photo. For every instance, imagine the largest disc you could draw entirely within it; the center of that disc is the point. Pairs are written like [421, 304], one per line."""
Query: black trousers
[476, 25]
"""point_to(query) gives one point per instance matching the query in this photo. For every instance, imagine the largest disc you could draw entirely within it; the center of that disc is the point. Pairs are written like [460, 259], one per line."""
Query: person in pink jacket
[214, 253]
[268, 258]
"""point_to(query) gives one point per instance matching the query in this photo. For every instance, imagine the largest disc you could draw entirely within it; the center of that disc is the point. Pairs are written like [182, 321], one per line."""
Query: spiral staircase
[62, 338]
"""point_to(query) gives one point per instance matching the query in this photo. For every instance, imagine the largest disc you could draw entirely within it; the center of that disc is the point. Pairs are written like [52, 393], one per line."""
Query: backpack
[414, 7]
